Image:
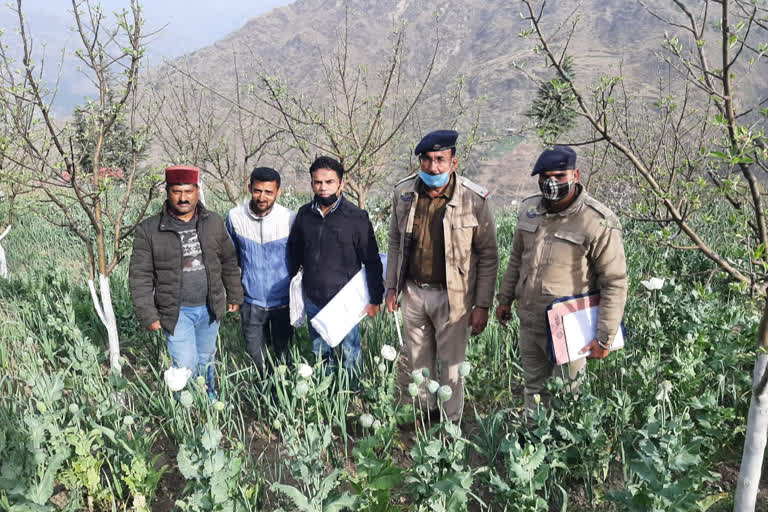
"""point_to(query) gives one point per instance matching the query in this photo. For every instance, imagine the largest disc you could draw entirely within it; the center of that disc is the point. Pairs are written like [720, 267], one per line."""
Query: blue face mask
[435, 180]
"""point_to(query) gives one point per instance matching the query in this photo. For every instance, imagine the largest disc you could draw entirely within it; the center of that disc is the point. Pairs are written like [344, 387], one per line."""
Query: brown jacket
[567, 253]
[471, 254]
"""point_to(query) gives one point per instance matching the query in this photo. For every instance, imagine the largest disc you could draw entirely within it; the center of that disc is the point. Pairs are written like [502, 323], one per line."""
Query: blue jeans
[192, 343]
[351, 352]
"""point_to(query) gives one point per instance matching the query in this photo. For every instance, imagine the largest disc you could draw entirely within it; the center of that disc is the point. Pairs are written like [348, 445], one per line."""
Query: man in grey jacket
[184, 274]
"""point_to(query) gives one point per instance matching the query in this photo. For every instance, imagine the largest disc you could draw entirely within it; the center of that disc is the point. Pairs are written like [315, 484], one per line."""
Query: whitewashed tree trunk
[3, 264]
[754, 442]
[106, 314]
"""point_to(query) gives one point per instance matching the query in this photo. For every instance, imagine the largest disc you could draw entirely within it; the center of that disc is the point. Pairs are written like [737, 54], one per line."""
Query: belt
[428, 286]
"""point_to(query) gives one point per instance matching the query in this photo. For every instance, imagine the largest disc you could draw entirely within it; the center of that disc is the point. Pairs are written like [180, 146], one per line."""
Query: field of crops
[658, 425]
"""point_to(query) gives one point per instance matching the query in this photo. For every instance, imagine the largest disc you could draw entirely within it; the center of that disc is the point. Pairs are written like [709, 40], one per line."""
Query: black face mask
[554, 190]
[328, 200]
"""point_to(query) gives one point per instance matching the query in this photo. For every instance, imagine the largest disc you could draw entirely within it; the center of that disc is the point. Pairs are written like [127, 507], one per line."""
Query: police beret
[556, 158]
[437, 141]
[182, 175]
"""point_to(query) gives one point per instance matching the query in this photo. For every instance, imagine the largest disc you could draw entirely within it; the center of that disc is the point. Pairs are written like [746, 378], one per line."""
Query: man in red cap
[184, 274]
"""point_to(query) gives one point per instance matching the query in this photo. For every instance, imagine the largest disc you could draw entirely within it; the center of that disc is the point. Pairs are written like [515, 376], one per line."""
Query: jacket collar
[340, 203]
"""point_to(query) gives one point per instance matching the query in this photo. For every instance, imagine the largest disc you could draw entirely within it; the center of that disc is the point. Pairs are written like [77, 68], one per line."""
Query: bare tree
[706, 142]
[200, 127]
[361, 121]
[89, 171]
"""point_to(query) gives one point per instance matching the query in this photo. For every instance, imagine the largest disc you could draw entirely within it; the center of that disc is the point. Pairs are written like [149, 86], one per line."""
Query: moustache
[183, 202]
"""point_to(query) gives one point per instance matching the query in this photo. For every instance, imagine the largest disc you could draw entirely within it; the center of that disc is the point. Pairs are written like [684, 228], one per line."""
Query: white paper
[581, 328]
[296, 301]
[344, 311]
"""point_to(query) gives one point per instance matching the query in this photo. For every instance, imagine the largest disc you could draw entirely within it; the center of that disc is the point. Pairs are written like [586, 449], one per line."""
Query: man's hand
[503, 314]
[154, 326]
[371, 310]
[478, 320]
[391, 300]
[598, 352]
[233, 308]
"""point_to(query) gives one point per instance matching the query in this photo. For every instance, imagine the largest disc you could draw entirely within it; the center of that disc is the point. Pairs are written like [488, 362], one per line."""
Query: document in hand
[345, 310]
[572, 325]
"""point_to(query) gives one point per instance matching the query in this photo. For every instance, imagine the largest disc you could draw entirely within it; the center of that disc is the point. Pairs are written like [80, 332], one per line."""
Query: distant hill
[478, 39]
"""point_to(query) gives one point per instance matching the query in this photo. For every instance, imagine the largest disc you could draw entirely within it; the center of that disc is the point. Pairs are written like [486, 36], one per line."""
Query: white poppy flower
[465, 368]
[432, 386]
[388, 352]
[305, 371]
[417, 377]
[176, 378]
[413, 390]
[653, 283]
[366, 420]
[664, 389]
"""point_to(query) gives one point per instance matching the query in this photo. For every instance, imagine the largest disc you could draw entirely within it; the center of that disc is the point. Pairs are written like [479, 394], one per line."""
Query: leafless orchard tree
[707, 141]
[361, 121]
[220, 135]
[88, 169]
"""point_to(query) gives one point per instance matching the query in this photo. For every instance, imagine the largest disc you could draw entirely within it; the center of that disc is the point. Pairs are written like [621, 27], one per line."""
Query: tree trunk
[757, 429]
[106, 314]
[3, 264]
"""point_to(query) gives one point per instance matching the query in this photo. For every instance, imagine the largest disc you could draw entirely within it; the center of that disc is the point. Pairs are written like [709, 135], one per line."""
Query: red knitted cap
[182, 175]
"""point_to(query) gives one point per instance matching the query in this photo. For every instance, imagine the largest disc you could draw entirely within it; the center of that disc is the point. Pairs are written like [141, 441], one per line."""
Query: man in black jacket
[331, 239]
[184, 274]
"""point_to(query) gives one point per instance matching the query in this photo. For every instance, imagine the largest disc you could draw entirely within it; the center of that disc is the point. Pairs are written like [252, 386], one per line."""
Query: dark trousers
[265, 327]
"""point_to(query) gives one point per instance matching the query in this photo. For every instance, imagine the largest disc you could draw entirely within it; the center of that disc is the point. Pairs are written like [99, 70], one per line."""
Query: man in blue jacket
[332, 239]
[259, 229]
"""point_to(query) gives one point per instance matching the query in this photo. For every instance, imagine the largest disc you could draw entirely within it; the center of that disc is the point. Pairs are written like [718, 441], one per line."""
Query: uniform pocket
[567, 249]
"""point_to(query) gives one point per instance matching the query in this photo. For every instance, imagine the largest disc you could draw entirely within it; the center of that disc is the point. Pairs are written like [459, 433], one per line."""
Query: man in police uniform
[443, 259]
[566, 243]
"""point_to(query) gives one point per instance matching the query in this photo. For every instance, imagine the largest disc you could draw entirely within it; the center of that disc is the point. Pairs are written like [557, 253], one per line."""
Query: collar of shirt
[316, 207]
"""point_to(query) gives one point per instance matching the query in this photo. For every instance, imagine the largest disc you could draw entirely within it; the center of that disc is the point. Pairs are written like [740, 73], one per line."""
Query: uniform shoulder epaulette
[474, 187]
[599, 207]
[409, 177]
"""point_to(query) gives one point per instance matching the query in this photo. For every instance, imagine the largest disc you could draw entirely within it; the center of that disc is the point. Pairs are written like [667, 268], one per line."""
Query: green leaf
[344, 502]
[301, 502]
[389, 477]
[211, 437]
[187, 465]
[710, 500]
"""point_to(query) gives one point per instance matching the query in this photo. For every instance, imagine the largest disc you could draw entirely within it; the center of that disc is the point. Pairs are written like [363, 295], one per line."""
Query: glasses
[441, 162]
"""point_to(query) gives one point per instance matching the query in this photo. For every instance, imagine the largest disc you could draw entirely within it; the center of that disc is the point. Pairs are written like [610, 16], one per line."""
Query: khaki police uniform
[554, 255]
[436, 315]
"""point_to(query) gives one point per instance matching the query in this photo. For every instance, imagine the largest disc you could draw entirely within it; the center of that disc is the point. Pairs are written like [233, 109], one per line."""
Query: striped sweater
[261, 251]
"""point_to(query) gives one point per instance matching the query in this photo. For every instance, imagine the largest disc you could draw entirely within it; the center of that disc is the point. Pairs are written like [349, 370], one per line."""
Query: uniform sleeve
[393, 250]
[512, 275]
[368, 253]
[485, 246]
[141, 279]
[230, 270]
[608, 259]
[295, 246]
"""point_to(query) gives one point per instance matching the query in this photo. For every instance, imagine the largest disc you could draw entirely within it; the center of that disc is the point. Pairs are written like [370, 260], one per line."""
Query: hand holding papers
[572, 324]
[345, 310]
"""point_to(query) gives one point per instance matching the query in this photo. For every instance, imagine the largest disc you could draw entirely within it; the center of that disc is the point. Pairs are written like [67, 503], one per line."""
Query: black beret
[556, 158]
[437, 141]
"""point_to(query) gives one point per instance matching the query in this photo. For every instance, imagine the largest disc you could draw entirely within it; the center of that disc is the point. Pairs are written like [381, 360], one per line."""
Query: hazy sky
[189, 25]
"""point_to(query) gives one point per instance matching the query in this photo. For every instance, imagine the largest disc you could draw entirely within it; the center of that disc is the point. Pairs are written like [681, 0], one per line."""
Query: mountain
[478, 39]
